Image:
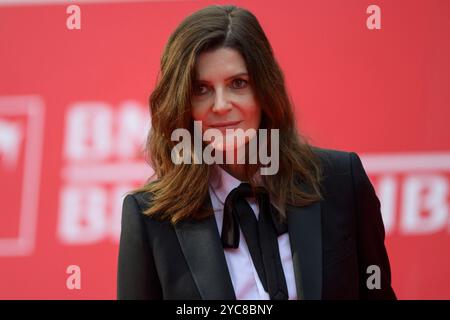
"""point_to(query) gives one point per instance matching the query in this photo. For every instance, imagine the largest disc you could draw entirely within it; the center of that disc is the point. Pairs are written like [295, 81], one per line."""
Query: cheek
[197, 113]
[253, 116]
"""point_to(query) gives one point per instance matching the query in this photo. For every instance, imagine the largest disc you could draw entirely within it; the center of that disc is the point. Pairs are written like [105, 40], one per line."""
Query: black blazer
[332, 241]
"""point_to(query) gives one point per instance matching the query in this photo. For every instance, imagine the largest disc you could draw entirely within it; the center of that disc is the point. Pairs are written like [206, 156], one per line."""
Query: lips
[227, 124]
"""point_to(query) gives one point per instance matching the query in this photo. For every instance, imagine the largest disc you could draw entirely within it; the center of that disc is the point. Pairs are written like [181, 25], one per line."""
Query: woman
[230, 230]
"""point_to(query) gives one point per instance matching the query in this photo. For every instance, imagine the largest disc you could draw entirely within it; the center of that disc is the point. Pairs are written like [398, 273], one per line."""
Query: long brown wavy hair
[178, 191]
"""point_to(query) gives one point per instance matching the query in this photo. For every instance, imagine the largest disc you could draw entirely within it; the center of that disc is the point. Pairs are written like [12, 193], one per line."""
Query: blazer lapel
[202, 248]
[305, 234]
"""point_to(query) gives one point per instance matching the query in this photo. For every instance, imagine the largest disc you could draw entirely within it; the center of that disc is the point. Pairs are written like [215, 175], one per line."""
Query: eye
[200, 89]
[239, 83]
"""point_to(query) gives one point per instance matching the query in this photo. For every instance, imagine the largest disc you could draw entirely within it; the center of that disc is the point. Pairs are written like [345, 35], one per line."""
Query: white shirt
[245, 279]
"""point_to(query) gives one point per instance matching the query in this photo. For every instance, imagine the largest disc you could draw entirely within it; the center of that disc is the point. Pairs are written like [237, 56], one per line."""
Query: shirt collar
[222, 182]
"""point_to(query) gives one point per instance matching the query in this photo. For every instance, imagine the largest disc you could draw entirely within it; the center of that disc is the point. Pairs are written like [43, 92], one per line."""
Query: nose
[221, 102]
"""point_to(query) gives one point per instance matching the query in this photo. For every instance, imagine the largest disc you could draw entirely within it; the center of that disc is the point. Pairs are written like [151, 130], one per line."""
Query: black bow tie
[261, 235]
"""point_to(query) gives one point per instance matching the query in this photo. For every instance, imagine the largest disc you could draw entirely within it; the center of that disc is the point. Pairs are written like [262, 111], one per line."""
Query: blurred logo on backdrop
[414, 191]
[102, 161]
[21, 142]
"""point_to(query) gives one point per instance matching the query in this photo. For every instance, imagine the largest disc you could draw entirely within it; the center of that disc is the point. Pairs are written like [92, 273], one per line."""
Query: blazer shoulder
[334, 161]
[142, 199]
[343, 171]
[134, 206]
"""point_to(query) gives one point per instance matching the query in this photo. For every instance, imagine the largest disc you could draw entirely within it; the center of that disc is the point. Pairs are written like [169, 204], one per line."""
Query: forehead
[219, 63]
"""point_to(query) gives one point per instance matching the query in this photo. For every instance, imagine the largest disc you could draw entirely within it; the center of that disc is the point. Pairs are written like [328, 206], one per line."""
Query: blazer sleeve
[137, 277]
[370, 235]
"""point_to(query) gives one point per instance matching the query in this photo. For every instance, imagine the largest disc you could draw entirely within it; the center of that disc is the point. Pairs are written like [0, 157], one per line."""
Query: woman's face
[223, 97]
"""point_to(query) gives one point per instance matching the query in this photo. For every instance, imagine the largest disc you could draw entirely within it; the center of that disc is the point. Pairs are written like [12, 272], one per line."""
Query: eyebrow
[240, 74]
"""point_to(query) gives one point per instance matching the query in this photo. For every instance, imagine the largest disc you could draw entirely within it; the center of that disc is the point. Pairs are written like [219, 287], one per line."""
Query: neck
[236, 170]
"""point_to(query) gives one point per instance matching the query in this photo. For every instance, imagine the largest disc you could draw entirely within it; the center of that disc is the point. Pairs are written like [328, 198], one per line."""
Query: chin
[221, 146]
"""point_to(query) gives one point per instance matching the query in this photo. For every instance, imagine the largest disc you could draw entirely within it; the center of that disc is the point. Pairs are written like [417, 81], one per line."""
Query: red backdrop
[73, 119]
